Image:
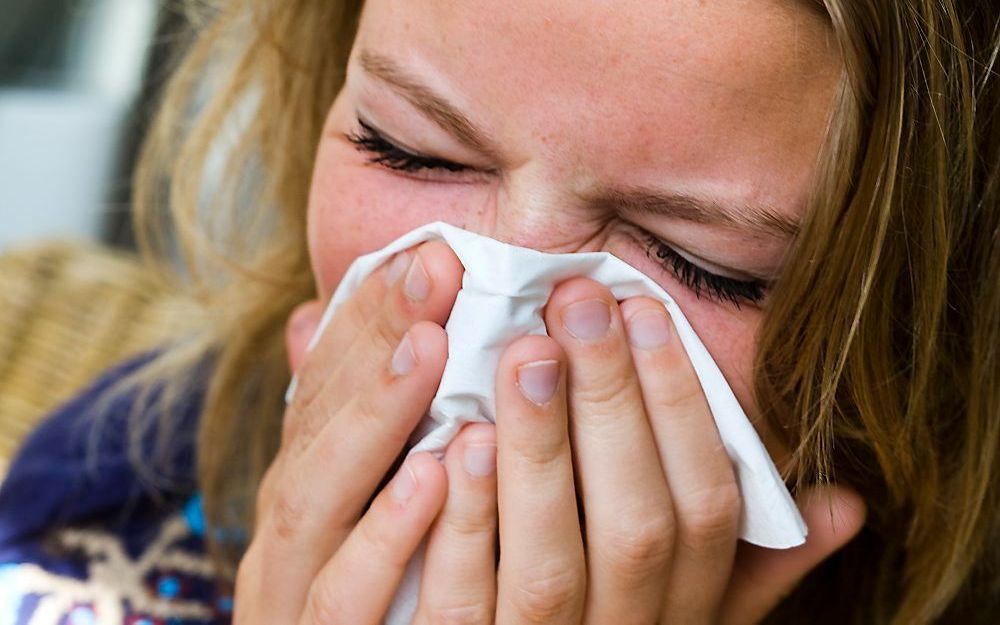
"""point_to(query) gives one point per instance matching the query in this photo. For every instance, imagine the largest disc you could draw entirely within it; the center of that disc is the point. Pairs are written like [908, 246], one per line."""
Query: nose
[538, 219]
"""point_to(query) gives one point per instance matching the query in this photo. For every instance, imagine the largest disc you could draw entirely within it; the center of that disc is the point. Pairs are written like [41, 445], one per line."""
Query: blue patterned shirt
[86, 540]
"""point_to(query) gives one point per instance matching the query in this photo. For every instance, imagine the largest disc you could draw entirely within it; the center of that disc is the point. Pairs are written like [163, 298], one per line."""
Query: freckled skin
[729, 98]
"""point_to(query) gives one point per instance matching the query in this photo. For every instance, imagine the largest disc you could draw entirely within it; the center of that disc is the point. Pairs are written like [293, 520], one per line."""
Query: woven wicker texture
[68, 312]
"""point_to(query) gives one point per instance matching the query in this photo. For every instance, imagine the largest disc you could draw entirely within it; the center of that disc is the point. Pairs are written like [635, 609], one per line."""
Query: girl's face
[680, 136]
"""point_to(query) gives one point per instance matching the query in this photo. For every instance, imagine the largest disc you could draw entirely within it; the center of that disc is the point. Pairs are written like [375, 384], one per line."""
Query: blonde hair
[879, 354]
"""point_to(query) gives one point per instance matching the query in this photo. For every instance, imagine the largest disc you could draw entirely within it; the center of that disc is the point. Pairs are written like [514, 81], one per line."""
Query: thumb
[762, 577]
[299, 330]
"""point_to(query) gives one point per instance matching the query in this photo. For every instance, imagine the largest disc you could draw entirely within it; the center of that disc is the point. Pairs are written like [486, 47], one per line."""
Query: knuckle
[543, 456]
[638, 548]
[371, 418]
[543, 596]
[379, 544]
[302, 426]
[711, 516]
[681, 396]
[611, 390]
[324, 603]
[287, 514]
[361, 307]
[384, 334]
[474, 613]
[470, 523]
[680, 392]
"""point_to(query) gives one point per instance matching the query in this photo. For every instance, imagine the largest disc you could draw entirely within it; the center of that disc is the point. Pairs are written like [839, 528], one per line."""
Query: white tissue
[503, 292]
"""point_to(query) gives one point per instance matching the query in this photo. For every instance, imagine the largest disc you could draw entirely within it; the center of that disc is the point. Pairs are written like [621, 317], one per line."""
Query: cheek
[732, 340]
[355, 208]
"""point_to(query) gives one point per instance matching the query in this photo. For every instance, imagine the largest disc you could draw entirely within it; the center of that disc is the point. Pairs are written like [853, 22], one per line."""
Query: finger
[301, 326]
[359, 582]
[542, 572]
[763, 577]
[324, 487]
[459, 578]
[299, 329]
[418, 285]
[699, 473]
[629, 519]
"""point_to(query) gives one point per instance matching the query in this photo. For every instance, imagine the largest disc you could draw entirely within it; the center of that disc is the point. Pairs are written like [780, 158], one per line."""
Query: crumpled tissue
[503, 292]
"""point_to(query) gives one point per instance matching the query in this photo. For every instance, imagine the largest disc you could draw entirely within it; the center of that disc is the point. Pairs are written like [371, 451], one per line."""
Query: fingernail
[649, 329]
[480, 460]
[587, 321]
[405, 483]
[418, 284]
[404, 359]
[538, 380]
[396, 267]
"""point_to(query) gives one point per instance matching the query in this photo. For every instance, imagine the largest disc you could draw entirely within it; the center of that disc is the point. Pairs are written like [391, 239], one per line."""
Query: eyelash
[383, 152]
[702, 282]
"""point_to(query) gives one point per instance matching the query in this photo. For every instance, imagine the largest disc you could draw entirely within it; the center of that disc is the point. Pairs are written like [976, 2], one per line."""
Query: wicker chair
[67, 312]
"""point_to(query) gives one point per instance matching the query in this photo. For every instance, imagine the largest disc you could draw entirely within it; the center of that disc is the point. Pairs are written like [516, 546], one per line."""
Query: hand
[606, 421]
[317, 556]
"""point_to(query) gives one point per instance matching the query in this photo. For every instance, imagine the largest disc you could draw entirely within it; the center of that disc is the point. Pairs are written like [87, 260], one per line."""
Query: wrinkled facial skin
[575, 102]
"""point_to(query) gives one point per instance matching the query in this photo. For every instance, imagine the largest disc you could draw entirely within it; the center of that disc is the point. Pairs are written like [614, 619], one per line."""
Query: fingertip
[478, 434]
[530, 348]
[530, 369]
[425, 281]
[634, 305]
[429, 473]
[438, 249]
[474, 451]
[430, 342]
[575, 290]
[302, 325]
[443, 266]
[419, 487]
[436, 477]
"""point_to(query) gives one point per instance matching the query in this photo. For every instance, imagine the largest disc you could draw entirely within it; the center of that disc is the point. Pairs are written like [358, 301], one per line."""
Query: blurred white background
[72, 77]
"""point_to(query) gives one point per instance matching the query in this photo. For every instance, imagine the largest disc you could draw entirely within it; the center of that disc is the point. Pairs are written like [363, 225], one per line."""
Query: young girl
[814, 183]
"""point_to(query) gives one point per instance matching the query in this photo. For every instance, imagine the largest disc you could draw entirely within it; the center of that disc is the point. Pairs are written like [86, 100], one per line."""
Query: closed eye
[700, 281]
[382, 151]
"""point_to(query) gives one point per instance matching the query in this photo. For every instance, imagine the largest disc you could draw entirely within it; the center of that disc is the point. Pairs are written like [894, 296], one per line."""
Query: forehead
[728, 96]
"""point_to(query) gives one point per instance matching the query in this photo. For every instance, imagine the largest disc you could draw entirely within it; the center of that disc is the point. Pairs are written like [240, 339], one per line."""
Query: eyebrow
[438, 109]
[635, 200]
[700, 210]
